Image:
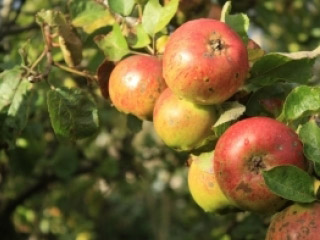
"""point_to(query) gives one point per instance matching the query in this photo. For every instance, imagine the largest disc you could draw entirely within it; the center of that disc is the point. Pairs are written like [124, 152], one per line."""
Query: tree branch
[6, 31]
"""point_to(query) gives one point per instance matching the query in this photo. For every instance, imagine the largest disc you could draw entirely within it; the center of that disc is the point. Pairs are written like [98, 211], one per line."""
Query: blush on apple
[135, 84]
[299, 221]
[245, 150]
[205, 61]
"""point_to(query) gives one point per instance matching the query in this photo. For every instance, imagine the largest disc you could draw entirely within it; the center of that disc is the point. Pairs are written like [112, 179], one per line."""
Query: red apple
[135, 84]
[205, 61]
[245, 150]
[181, 124]
[203, 185]
[299, 221]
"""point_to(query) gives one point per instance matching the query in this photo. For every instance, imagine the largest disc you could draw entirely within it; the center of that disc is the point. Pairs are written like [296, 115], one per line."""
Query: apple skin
[203, 185]
[298, 221]
[135, 84]
[181, 124]
[244, 151]
[205, 61]
[272, 105]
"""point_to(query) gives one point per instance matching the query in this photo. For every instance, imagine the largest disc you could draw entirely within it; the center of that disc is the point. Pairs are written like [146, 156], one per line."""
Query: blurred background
[122, 183]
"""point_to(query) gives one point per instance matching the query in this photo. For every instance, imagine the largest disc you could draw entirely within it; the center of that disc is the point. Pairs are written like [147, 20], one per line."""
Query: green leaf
[226, 9]
[290, 182]
[167, 14]
[114, 44]
[309, 134]
[72, 113]
[151, 15]
[228, 112]
[238, 22]
[89, 15]
[317, 168]
[155, 17]
[70, 43]
[275, 67]
[268, 101]
[302, 101]
[65, 161]
[15, 103]
[123, 7]
[140, 39]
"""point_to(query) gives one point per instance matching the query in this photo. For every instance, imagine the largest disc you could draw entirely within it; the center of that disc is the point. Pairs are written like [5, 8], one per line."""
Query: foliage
[73, 167]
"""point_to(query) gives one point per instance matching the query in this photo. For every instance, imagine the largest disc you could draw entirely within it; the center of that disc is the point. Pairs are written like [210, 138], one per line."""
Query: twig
[75, 71]
[12, 30]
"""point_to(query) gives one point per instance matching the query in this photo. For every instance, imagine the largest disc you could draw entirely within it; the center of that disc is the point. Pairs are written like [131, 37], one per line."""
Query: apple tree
[149, 119]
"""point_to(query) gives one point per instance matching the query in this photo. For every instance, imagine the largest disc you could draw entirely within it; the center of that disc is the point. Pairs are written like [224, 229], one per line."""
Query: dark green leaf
[65, 161]
[276, 67]
[302, 101]
[268, 101]
[114, 44]
[123, 7]
[15, 101]
[72, 113]
[155, 17]
[291, 183]
[89, 15]
[317, 168]
[309, 134]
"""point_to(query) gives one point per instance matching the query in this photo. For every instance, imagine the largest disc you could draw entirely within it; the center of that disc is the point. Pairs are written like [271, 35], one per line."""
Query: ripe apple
[205, 61]
[135, 84]
[272, 105]
[245, 150]
[299, 221]
[181, 124]
[203, 185]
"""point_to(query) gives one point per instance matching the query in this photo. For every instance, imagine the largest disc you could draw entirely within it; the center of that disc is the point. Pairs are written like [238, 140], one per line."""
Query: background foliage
[121, 182]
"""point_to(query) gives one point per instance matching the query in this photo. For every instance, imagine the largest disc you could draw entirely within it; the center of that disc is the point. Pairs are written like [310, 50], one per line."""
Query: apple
[272, 105]
[298, 221]
[181, 124]
[203, 185]
[135, 84]
[246, 149]
[205, 61]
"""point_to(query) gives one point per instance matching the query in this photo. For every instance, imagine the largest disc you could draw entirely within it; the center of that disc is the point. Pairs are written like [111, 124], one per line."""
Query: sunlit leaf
[291, 183]
[302, 101]
[123, 7]
[15, 102]
[309, 134]
[114, 44]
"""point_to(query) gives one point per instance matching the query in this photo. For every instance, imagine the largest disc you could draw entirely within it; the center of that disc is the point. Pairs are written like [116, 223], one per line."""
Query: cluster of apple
[204, 64]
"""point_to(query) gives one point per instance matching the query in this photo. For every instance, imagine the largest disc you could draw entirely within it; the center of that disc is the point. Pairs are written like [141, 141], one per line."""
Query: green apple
[181, 124]
[203, 185]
